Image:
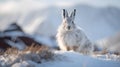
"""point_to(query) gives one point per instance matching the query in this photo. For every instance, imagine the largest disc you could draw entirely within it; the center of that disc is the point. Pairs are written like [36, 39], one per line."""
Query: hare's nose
[68, 27]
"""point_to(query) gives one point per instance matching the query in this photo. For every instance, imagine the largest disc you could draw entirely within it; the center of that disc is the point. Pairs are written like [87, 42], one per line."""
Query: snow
[12, 34]
[48, 41]
[25, 64]
[69, 59]
[108, 57]
[111, 44]
[45, 40]
[19, 45]
[46, 21]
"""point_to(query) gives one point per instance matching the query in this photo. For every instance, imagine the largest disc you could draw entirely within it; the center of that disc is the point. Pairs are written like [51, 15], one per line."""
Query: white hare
[71, 37]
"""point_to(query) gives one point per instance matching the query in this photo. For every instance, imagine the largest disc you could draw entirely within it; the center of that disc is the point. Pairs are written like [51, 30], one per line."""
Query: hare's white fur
[71, 37]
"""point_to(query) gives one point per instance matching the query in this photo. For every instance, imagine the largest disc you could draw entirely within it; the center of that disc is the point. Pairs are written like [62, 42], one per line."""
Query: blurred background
[39, 20]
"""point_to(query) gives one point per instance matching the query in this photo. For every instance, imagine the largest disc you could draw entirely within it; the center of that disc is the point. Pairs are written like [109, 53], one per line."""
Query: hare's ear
[65, 13]
[73, 14]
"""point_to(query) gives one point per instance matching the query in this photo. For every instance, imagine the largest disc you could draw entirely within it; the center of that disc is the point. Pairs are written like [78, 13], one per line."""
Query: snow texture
[67, 59]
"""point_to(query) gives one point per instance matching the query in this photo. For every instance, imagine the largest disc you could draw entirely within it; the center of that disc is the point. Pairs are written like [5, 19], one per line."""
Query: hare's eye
[72, 22]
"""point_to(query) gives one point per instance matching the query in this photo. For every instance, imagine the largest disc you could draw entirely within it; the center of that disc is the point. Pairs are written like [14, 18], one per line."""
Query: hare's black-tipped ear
[65, 13]
[73, 14]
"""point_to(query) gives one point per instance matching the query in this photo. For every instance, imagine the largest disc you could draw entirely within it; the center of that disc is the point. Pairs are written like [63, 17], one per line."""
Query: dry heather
[32, 53]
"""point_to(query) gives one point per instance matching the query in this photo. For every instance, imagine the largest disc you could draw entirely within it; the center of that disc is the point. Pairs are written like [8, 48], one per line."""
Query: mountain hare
[70, 37]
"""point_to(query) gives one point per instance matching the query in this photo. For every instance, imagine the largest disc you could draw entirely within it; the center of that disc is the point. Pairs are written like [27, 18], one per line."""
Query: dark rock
[13, 27]
[27, 40]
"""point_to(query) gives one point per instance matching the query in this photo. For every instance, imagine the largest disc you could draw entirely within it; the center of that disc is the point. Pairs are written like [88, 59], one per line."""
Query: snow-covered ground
[66, 59]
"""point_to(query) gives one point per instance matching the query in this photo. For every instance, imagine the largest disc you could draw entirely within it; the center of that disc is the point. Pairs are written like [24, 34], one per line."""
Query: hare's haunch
[71, 37]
